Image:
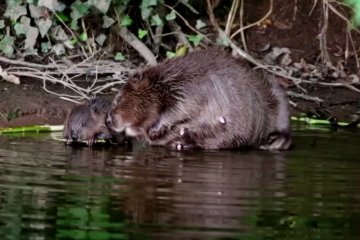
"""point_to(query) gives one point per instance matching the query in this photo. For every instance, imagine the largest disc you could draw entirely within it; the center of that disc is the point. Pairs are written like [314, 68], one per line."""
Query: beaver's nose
[108, 120]
[74, 136]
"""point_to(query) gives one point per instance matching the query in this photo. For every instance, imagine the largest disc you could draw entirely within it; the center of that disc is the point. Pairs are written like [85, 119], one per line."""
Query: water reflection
[49, 191]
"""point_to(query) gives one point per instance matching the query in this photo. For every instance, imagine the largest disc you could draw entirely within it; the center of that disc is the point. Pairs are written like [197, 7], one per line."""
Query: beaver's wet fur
[205, 99]
[86, 122]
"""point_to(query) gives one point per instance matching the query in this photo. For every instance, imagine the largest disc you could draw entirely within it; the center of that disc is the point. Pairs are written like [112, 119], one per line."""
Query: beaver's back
[227, 104]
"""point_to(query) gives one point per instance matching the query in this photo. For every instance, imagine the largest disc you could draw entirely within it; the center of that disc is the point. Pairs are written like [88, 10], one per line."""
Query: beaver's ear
[138, 82]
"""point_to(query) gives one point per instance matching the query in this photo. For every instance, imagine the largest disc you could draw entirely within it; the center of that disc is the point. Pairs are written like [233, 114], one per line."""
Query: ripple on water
[49, 191]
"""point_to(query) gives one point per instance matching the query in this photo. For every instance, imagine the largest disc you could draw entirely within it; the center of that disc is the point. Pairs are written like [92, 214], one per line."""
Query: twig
[187, 23]
[242, 34]
[134, 42]
[179, 35]
[303, 96]
[255, 23]
[231, 16]
[322, 35]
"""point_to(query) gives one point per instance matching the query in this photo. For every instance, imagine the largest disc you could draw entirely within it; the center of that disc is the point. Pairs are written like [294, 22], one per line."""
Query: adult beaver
[86, 122]
[205, 99]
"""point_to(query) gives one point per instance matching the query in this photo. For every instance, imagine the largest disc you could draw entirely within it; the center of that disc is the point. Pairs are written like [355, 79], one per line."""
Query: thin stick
[255, 23]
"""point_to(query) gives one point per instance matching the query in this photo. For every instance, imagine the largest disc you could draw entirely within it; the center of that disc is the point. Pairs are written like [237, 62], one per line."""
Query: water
[49, 191]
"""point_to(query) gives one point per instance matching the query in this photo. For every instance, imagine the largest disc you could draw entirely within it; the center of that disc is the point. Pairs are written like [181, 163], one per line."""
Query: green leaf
[100, 39]
[45, 47]
[83, 37]
[79, 9]
[101, 5]
[31, 37]
[119, 57]
[170, 54]
[58, 49]
[13, 3]
[223, 41]
[58, 34]
[126, 21]
[2, 24]
[44, 26]
[156, 20]
[200, 24]
[142, 33]
[53, 5]
[145, 13]
[74, 24]
[6, 46]
[171, 16]
[195, 39]
[36, 12]
[108, 21]
[148, 3]
[23, 26]
[15, 12]
[63, 17]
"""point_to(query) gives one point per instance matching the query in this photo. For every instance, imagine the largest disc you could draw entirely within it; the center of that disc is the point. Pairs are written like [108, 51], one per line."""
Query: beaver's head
[136, 107]
[86, 122]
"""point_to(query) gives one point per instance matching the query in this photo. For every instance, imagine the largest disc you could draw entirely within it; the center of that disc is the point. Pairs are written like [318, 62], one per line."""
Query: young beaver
[86, 122]
[205, 99]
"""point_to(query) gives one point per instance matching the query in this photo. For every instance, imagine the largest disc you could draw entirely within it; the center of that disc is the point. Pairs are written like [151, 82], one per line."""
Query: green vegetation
[44, 26]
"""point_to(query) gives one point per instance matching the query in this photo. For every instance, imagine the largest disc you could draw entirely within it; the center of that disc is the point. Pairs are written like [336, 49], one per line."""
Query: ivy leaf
[31, 37]
[7, 46]
[145, 13]
[126, 21]
[195, 39]
[171, 15]
[44, 26]
[45, 47]
[142, 33]
[13, 3]
[156, 20]
[79, 9]
[148, 3]
[170, 54]
[108, 21]
[101, 5]
[101, 39]
[23, 26]
[63, 17]
[58, 49]
[223, 41]
[15, 12]
[36, 12]
[83, 36]
[58, 34]
[200, 24]
[53, 5]
[2, 24]
[119, 57]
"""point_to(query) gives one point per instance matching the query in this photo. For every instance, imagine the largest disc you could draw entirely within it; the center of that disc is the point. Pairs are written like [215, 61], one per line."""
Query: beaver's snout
[74, 136]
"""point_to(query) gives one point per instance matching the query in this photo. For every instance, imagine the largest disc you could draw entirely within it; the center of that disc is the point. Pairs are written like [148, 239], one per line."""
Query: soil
[290, 26]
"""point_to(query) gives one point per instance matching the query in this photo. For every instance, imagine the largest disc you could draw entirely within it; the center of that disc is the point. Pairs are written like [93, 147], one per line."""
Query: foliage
[356, 6]
[51, 26]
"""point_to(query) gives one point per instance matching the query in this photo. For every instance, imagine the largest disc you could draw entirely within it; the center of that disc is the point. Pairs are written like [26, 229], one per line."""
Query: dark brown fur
[205, 99]
[86, 122]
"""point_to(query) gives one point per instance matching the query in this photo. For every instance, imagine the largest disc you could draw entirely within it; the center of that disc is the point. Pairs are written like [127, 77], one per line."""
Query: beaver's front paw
[157, 131]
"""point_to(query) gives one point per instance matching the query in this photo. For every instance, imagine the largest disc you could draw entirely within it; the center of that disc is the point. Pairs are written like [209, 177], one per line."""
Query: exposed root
[106, 75]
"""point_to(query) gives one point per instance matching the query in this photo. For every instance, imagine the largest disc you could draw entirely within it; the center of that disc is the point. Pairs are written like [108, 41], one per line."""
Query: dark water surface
[49, 191]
